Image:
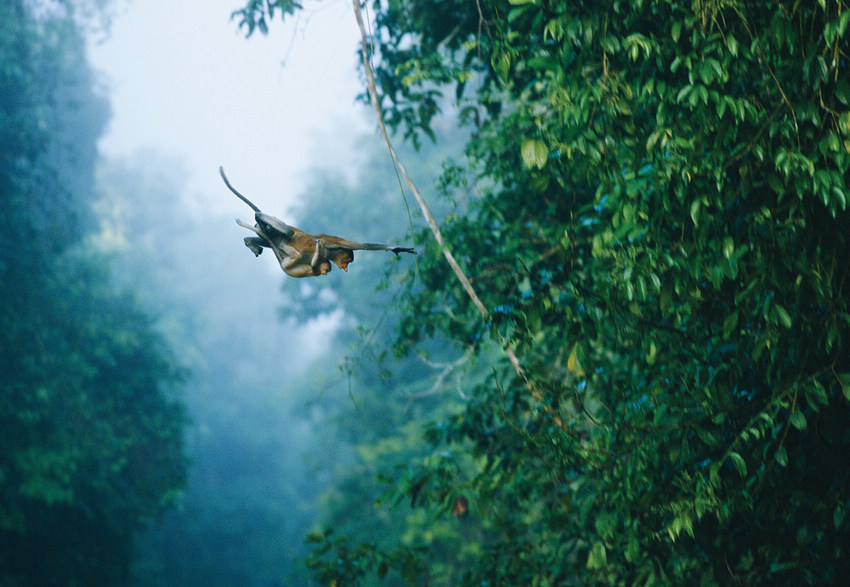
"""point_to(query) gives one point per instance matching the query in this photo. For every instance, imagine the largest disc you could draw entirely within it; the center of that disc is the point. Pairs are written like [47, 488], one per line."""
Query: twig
[446, 370]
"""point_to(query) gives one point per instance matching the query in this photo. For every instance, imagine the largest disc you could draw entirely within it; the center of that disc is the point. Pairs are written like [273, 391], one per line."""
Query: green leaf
[844, 123]
[842, 90]
[781, 456]
[598, 557]
[728, 247]
[783, 315]
[651, 354]
[844, 381]
[534, 153]
[695, 207]
[676, 30]
[840, 197]
[838, 515]
[798, 420]
[729, 324]
[775, 184]
[633, 550]
[739, 463]
[501, 63]
[656, 281]
[817, 393]
[732, 44]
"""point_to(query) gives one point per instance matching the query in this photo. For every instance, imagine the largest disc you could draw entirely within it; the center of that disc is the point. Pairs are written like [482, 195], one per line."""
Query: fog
[181, 78]
[189, 93]
[176, 410]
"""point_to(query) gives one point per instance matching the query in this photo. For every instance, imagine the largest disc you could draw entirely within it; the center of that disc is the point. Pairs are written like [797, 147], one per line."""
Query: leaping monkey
[300, 253]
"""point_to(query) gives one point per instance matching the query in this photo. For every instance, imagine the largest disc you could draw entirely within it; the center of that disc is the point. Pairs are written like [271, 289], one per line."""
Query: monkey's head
[343, 258]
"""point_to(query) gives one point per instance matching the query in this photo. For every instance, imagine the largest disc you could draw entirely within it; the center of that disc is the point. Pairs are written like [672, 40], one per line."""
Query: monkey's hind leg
[256, 244]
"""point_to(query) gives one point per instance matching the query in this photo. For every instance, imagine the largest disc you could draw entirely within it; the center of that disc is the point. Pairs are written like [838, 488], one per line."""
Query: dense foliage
[658, 225]
[91, 443]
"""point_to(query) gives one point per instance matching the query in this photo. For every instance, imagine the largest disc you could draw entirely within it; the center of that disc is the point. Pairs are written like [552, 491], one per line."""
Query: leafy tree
[660, 230]
[92, 433]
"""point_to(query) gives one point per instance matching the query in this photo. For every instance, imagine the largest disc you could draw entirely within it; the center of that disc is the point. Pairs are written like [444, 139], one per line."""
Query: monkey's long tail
[238, 195]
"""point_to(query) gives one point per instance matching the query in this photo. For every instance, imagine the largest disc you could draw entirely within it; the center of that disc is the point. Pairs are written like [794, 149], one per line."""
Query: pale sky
[182, 79]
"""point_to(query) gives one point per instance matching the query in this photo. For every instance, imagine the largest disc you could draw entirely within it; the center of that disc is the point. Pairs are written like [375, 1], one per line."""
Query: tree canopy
[658, 226]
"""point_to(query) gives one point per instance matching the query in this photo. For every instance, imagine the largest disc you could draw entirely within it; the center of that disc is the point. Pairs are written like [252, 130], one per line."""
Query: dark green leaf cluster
[662, 235]
[336, 562]
[659, 228]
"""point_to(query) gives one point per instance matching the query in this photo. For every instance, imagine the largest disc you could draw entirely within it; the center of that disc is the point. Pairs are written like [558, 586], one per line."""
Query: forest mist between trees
[236, 376]
[644, 379]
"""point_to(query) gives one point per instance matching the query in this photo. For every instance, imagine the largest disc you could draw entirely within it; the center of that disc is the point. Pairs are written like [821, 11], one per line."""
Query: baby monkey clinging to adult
[300, 253]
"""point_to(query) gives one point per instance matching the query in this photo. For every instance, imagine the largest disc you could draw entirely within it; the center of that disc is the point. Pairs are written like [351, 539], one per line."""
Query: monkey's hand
[398, 250]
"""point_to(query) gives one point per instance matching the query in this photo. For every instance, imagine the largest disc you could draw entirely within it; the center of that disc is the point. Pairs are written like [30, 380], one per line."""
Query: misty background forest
[636, 373]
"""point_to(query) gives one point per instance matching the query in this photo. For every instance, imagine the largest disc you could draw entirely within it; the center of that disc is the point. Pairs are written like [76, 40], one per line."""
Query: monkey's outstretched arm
[334, 242]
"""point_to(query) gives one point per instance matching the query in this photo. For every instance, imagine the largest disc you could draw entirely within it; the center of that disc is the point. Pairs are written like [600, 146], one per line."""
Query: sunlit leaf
[573, 364]
[598, 557]
[728, 247]
[534, 153]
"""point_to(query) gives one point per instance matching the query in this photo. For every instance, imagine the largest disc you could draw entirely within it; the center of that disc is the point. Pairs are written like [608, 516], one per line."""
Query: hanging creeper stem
[426, 212]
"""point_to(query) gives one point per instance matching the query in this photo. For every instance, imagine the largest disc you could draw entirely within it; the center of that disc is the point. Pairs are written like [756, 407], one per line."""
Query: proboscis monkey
[300, 253]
